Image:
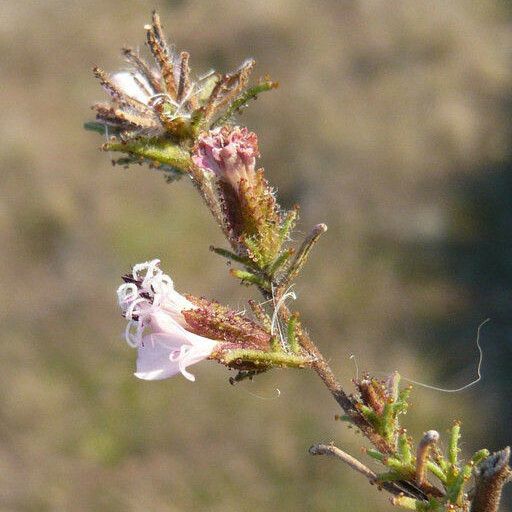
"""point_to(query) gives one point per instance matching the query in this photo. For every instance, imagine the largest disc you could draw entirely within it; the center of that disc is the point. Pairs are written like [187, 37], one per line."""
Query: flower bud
[230, 153]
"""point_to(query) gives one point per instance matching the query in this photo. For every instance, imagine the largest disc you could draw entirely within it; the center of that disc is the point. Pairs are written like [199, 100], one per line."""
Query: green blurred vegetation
[392, 125]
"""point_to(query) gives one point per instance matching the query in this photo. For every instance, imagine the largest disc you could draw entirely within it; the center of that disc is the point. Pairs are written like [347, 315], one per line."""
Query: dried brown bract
[164, 99]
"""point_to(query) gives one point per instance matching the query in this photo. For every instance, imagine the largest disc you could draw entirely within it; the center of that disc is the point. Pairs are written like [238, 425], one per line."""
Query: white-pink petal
[129, 86]
[163, 355]
[153, 362]
[156, 325]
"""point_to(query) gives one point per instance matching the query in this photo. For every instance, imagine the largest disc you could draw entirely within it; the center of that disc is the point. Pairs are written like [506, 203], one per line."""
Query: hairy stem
[333, 451]
[325, 372]
[398, 488]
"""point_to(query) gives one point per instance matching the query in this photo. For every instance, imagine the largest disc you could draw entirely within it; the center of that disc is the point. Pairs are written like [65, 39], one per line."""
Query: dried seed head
[165, 100]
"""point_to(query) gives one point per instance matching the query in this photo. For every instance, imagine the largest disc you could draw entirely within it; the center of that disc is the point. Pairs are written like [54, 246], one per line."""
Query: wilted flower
[156, 325]
[134, 85]
[230, 153]
[166, 100]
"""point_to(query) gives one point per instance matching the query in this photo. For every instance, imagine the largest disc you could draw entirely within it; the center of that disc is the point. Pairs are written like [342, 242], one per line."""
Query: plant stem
[325, 372]
[333, 451]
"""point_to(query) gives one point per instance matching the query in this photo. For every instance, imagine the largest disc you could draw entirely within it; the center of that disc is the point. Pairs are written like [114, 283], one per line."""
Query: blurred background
[392, 125]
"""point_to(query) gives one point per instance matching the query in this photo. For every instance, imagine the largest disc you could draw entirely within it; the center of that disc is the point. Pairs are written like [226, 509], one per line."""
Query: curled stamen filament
[288, 294]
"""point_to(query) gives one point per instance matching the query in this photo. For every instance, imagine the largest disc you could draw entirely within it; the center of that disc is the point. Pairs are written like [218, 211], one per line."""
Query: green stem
[291, 338]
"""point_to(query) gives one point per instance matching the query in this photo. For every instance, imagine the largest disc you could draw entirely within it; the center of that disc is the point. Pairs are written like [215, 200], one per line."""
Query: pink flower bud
[156, 326]
[229, 152]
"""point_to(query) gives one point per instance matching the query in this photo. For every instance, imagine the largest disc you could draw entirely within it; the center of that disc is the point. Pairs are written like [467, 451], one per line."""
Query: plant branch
[325, 372]
[333, 451]
[396, 488]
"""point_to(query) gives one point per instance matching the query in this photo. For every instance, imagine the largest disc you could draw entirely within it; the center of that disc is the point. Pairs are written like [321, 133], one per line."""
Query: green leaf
[241, 101]
[251, 278]
[279, 261]
[436, 470]
[375, 454]
[453, 450]
[479, 456]
[93, 126]
[288, 224]
[406, 502]
[396, 464]
[158, 150]
[370, 415]
[388, 421]
[390, 476]
[404, 448]
[231, 255]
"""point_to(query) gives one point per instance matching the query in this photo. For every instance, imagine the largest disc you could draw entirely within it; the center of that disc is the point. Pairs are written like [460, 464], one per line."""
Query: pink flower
[156, 326]
[229, 152]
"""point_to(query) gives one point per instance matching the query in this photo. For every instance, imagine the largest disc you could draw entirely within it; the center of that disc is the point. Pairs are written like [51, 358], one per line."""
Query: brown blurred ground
[392, 124]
